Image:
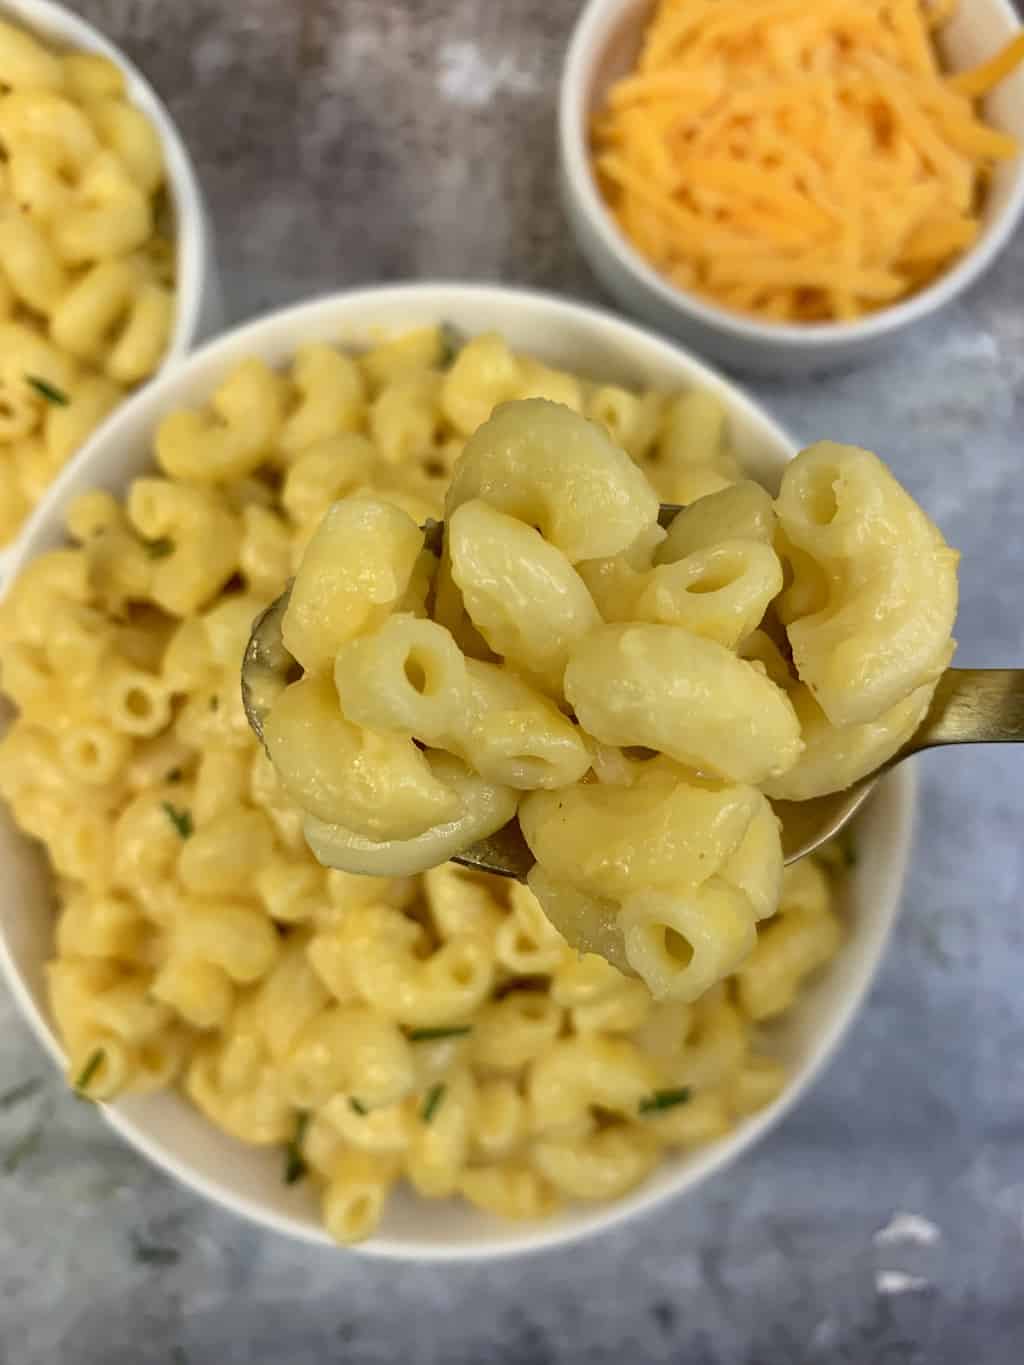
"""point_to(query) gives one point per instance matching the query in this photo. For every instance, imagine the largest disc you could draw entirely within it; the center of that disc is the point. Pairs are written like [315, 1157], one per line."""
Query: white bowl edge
[163, 1127]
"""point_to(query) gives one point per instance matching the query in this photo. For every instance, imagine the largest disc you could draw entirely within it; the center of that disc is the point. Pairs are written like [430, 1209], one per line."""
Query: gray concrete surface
[348, 141]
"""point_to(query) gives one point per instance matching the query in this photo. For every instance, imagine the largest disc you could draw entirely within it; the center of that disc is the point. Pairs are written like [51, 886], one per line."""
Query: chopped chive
[432, 1103]
[89, 1071]
[159, 548]
[358, 1107]
[214, 702]
[294, 1161]
[180, 819]
[428, 1035]
[452, 342]
[48, 391]
[664, 1099]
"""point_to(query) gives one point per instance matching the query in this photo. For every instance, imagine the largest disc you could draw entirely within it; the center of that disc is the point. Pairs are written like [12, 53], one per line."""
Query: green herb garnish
[47, 390]
[214, 702]
[89, 1071]
[159, 548]
[432, 1103]
[664, 1099]
[358, 1107]
[429, 1035]
[452, 342]
[180, 819]
[174, 775]
[294, 1161]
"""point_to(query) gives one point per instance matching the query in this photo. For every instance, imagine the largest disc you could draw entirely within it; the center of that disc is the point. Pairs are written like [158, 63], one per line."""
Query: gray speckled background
[349, 141]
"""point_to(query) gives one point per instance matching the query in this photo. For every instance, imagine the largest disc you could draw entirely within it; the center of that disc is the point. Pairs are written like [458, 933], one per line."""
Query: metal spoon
[970, 706]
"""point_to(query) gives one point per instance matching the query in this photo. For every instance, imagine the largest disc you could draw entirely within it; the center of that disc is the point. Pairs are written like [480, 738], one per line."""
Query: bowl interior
[64, 29]
[605, 47]
[169, 1131]
[198, 310]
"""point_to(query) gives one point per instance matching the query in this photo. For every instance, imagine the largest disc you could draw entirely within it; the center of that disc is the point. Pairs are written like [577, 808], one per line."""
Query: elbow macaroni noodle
[756, 649]
[86, 293]
[405, 1018]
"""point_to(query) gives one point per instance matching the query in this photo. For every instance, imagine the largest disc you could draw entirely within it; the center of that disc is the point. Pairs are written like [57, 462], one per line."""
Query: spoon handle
[974, 706]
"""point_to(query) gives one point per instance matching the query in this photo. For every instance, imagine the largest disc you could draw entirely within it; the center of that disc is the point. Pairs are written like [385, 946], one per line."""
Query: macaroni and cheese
[433, 1027]
[636, 695]
[86, 270]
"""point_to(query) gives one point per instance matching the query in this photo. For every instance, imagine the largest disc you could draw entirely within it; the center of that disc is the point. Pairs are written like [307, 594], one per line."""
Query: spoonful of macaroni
[610, 699]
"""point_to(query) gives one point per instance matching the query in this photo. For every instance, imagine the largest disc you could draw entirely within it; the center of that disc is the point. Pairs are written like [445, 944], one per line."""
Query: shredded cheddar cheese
[801, 160]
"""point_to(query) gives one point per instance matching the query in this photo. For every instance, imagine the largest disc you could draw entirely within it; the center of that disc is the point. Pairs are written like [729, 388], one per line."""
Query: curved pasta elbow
[231, 440]
[719, 591]
[331, 398]
[663, 688]
[834, 757]
[665, 830]
[885, 627]
[743, 511]
[201, 533]
[353, 573]
[755, 866]
[682, 943]
[482, 808]
[384, 954]
[375, 784]
[577, 1075]
[787, 952]
[547, 466]
[27, 63]
[355, 1194]
[508, 1190]
[109, 216]
[407, 675]
[515, 736]
[522, 594]
[350, 1049]
[602, 1166]
[616, 582]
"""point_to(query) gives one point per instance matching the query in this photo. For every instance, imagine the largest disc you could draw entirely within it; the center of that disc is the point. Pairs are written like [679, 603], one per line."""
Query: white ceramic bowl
[168, 1130]
[198, 311]
[604, 46]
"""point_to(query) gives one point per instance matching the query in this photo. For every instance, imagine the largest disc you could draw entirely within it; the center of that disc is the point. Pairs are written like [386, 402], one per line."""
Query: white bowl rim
[792, 336]
[256, 337]
[47, 20]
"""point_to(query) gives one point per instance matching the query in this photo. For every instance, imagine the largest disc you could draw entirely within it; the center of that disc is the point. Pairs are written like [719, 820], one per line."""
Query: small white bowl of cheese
[604, 48]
